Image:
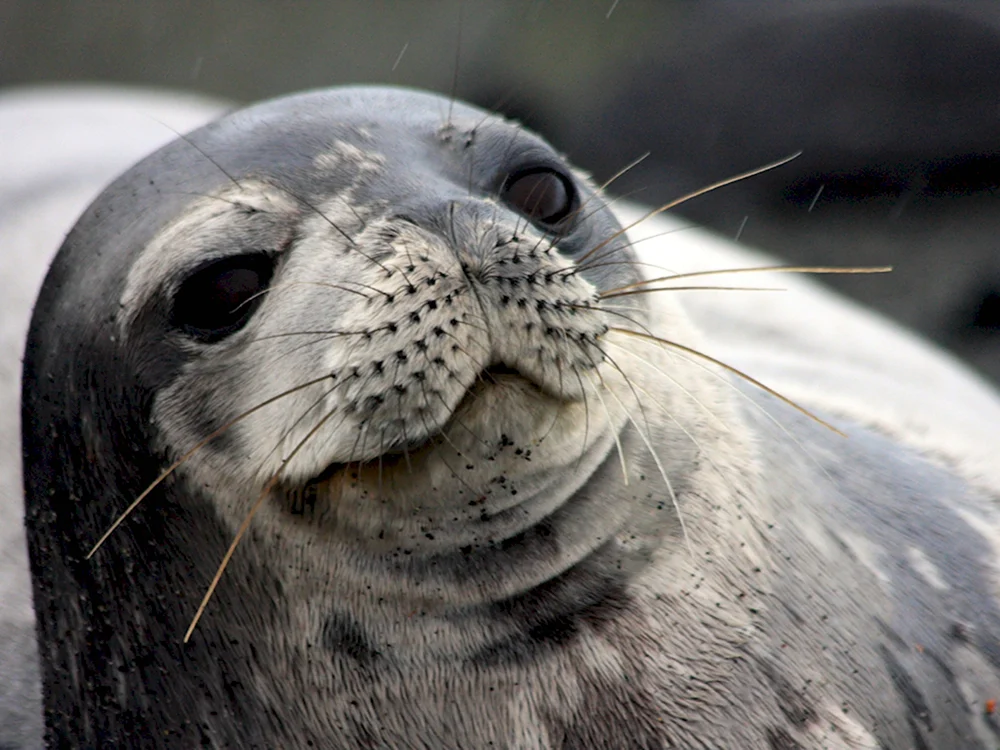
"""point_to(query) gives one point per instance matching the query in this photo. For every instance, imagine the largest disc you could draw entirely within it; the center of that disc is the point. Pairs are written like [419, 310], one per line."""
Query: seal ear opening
[219, 298]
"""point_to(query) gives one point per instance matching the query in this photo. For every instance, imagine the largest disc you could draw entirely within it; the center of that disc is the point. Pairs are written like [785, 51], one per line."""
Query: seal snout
[440, 318]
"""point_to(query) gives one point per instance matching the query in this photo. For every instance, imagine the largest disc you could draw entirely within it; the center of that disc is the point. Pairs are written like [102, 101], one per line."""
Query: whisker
[586, 417]
[286, 285]
[614, 432]
[197, 447]
[302, 416]
[627, 168]
[441, 437]
[617, 312]
[453, 420]
[663, 473]
[246, 525]
[325, 336]
[735, 371]
[289, 193]
[770, 417]
[625, 377]
[612, 252]
[558, 412]
[362, 428]
[603, 202]
[617, 308]
[328, 333]
[630, 292]
[678, 423]
[458, 59]
[685, 198]
[711, 414]
[608, 264]
[448, 466]
[759, 269]
[187, 139]
[739, 232]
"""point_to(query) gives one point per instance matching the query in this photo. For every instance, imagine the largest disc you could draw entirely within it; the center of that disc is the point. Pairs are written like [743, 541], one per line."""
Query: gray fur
[499, 518]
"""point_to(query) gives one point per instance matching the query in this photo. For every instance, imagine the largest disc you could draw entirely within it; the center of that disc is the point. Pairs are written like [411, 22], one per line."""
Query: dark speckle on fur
[343, 636]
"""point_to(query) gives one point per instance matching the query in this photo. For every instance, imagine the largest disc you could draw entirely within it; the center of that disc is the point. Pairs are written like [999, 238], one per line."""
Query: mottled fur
[499, 519]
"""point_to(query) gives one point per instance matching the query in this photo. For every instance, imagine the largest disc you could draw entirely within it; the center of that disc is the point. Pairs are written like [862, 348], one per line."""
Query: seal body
[494, 496]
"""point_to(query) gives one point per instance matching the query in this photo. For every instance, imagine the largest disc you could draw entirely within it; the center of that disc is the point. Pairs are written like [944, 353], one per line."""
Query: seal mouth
[492, 372]
[489, 377]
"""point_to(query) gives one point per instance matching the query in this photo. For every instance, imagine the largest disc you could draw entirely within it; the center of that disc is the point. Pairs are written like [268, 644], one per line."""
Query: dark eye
[541, 194]
[218, 299]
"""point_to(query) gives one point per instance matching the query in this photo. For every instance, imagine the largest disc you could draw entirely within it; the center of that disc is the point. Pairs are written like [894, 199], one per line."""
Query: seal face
[489, 498]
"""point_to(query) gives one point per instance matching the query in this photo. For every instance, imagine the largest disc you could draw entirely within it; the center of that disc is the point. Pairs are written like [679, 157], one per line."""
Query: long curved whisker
[630, 292]
[558, 412]
[442, 437]
[663, 472]
[285, 285]
[758, 269]
[685, 198]
[603, 202]
[242, 530]
[679, 424]
[302, 416]
[660, 371]
[453, 420]
[611, 252]
[329, 333]
[586, 417]
[617, 308]
[614, 433]
[767, 415]
[625, 377]
[617, 312]
[608, 264]
[627, 168]
[753, 381]
[197, 447]
[297, 198]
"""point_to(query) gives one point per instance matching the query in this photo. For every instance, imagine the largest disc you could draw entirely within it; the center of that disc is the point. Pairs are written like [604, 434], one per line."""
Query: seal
[490, 486]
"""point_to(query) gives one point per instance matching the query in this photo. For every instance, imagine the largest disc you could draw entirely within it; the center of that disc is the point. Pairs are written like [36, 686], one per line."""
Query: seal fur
[536, 528]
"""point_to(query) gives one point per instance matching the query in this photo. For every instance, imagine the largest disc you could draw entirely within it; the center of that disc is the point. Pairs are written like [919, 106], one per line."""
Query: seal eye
[541, 194]
[218, 299]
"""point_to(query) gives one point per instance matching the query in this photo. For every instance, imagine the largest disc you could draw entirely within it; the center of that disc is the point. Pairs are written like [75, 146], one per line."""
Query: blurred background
[894, 105]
